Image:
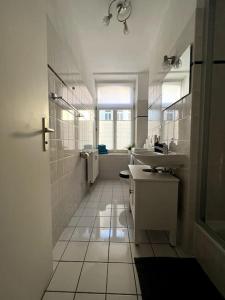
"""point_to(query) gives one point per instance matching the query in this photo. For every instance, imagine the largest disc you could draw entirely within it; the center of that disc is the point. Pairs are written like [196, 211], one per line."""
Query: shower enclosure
[212, 153]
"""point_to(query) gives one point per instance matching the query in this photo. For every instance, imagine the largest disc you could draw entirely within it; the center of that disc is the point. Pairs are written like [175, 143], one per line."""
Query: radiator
[92, 166]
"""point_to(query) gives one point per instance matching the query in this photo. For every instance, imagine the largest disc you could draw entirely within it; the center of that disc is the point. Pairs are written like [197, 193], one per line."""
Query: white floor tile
[117, 210]
[90, 212]
[103, 206]
[116, 206]
[97, 251]
[78, 212]
[66, 234]
[55, 264]
[93, 278]
[119, 235]
[58, 296]
[83, 203]
[84, 296]
[121, 279]
[163, 250]
[142, 250]
[81, 234]
[92, 204]
[100, 234]
[58, 250]
[102, 222]
[75, 251]
[120, 252]
[74, 221]
[65, 277]
[86, 222]
[119, 221]
[104, 213]
[121, 297]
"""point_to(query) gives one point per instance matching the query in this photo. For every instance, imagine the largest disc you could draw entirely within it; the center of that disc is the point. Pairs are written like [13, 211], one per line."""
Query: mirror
[176, 84]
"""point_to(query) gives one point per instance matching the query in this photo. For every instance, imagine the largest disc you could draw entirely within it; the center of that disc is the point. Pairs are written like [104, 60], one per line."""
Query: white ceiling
[106, 49]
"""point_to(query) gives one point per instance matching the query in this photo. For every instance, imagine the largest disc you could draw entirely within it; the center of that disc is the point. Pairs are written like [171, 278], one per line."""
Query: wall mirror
[176, 83]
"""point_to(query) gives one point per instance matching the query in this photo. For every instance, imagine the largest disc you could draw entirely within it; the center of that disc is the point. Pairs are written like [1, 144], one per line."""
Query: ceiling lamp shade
[172, 61]
[123, 12]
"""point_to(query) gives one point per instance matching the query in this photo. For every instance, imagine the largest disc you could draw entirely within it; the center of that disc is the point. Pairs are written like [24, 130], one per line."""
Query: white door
[25, 219]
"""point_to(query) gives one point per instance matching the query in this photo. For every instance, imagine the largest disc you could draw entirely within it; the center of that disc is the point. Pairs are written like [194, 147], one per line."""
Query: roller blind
[114, 95]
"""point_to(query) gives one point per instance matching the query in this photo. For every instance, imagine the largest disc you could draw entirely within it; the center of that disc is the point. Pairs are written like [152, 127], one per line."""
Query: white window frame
[115, 127]
[115, 109]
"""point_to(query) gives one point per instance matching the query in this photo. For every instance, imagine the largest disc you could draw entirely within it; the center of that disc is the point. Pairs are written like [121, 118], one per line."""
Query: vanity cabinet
[153, 202]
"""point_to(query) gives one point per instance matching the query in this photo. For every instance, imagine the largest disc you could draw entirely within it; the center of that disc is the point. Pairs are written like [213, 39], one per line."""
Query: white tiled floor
[94, 257]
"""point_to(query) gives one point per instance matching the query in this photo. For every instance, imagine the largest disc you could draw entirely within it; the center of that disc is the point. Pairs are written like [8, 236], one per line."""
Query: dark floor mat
[174, 278]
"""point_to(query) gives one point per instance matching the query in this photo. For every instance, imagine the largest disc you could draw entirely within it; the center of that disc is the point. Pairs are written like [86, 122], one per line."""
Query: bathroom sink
[150, 170]
[156, 159]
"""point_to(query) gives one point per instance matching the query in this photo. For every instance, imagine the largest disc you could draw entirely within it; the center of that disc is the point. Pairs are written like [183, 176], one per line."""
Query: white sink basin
[141, 150]
[156, 159]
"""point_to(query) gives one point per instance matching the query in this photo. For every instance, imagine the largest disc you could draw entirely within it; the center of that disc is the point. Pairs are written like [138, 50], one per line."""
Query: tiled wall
[173, 125]
[73, 130]
[111, 164]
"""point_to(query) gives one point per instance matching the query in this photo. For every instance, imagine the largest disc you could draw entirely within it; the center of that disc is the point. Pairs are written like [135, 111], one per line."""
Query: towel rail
[53, 96]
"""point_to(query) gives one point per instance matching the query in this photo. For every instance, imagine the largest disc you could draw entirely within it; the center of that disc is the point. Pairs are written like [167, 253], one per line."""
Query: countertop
[138, 174]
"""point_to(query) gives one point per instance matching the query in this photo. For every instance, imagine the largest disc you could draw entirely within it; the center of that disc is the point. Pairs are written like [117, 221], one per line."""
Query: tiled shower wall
[73, 130]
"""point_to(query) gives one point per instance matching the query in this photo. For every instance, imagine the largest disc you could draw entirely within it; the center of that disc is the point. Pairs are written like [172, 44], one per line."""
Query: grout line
[92, 293]
[107, 271]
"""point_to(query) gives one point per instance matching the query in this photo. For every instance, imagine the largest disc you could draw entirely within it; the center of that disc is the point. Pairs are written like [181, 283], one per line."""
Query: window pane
[106, 128]
[105, 115]
[123, 129]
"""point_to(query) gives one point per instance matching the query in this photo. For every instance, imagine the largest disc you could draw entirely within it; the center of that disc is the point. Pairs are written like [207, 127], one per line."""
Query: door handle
[49, 130]
[44, 137]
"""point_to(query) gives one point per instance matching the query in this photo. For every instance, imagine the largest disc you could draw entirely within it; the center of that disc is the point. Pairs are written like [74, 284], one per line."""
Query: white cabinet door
[25, 219]
[132, 197]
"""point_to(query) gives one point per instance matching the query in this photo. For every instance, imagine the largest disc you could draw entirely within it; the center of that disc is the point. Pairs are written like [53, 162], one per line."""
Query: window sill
[116, 153]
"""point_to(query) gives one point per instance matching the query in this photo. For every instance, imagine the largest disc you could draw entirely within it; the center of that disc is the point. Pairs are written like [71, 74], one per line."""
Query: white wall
[173, 24]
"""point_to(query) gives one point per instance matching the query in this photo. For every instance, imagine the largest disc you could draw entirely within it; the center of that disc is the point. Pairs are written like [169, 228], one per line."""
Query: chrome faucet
[163, 148]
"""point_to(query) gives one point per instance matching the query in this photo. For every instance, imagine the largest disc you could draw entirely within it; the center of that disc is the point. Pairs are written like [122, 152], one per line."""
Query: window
[115, 115]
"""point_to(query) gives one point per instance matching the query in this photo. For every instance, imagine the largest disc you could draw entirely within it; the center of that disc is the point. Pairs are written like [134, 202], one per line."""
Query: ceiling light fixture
[172, 61]
[123, 9]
